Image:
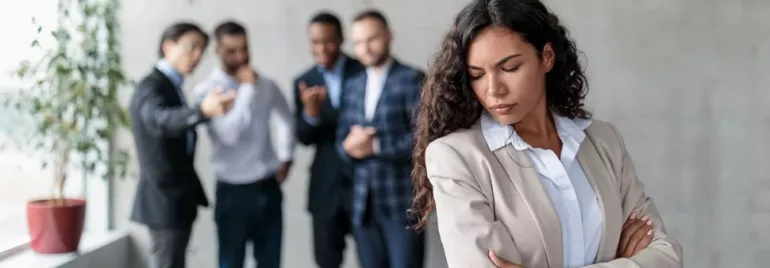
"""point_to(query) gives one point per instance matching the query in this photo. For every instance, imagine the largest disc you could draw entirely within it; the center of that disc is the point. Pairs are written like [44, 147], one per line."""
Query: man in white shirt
[247, 167]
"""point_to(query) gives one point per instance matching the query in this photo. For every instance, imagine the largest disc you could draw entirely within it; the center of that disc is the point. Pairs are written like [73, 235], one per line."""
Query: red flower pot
[55, 226]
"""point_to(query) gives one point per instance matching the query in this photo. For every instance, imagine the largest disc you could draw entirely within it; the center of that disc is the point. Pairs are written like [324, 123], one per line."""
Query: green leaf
[74, 87]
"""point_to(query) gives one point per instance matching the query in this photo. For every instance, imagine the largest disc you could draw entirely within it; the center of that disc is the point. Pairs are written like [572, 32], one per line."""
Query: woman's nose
[495, 87]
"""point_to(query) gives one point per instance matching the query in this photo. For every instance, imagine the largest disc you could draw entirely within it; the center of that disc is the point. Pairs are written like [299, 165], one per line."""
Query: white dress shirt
[375, 82]
[565, 182]
[242, 148]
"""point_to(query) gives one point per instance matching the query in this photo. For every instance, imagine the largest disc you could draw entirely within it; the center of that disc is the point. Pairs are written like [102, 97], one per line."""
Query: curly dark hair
[449, 104]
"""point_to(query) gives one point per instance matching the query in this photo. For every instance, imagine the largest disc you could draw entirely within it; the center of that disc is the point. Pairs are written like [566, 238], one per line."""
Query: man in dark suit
[169, 191]
[318, 93]
[375, 135]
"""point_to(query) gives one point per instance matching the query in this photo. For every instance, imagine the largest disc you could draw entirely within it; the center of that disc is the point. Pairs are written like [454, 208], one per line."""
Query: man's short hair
[325, 17]
[228, 28]
[176, 31]
[372, 14]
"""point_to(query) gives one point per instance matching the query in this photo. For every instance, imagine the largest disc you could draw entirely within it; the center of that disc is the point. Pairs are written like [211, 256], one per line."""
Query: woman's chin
[506, 119]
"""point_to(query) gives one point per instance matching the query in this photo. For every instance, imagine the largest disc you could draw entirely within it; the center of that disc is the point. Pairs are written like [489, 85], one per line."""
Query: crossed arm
[663, 251]
[465, 217]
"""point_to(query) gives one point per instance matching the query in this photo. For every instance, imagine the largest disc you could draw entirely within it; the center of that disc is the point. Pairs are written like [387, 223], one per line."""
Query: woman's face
[507, 74]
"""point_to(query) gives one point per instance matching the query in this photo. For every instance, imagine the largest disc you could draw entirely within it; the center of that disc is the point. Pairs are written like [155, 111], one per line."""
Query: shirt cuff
[196, 117]
[313, 121]
[285, 157]
[376, 145]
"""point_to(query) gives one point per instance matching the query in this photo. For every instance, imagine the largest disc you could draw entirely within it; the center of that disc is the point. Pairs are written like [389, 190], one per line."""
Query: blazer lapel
[598, 175]
[358, 91]
[388, 87]
[523, 175]
[171, 90]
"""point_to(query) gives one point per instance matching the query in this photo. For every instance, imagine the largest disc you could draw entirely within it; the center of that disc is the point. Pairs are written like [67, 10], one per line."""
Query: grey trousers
[169, 247]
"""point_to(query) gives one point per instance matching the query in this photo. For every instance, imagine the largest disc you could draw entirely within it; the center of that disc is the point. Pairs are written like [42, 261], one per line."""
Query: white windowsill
[89, 243]
[13, 246]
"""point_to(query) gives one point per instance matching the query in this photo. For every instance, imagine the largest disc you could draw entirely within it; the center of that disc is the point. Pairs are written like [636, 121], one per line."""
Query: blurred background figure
[169, 191]
[317, 96]
[248, 169]
[375, 135]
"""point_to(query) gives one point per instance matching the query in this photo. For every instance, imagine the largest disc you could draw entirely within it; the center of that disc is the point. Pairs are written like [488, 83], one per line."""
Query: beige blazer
[494, 200]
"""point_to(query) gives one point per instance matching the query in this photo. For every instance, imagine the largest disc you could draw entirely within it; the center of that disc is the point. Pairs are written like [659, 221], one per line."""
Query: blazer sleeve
[307, 132]
[663, 251]
[343, 129]
[160, 120]
[466, 222]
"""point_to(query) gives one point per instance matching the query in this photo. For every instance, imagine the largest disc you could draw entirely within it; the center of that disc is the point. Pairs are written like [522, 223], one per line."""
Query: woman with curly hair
[517, 171]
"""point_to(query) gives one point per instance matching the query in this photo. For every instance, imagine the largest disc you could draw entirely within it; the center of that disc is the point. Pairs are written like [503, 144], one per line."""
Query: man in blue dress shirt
[318, 93]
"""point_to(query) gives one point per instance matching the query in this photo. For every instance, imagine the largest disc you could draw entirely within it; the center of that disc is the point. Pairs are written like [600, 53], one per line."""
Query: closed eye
[476, 76]
[513, 69]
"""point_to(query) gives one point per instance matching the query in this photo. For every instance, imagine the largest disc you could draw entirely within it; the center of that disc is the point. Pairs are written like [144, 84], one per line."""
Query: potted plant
[72, 105]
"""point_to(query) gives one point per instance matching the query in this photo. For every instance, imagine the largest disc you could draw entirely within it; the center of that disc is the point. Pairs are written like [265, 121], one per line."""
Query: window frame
[97, 191]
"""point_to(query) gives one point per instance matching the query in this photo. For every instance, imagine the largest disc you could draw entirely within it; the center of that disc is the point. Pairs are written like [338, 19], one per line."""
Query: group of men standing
[357, 111]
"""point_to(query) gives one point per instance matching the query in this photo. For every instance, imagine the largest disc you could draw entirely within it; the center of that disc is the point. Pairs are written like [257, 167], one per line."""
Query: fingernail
[644, 218]
[633, 215]
[649, 222]
[649, 232]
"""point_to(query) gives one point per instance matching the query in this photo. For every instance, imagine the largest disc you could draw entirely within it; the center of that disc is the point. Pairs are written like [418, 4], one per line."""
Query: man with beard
[248, 170]
[318, 92]
[375, 135]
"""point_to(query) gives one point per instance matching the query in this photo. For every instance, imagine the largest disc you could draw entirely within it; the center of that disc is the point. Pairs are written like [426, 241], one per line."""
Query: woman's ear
[549, 56]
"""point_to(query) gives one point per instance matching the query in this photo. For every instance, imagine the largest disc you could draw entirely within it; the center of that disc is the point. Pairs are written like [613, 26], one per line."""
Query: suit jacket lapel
[522, 174]
[598, 175]
[388, 87]
[171, 92]
[169, 87]
[357, 91]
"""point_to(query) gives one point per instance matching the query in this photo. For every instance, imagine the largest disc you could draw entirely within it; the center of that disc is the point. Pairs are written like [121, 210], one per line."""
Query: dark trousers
[169, 247]
[329, 238]
[249, 213]
[387, 243]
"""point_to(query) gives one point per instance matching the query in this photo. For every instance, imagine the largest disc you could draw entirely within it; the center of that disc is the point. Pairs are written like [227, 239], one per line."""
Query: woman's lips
[502, 108]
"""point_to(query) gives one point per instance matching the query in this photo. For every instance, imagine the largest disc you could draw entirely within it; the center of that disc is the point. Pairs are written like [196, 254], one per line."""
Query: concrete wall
[684, 80]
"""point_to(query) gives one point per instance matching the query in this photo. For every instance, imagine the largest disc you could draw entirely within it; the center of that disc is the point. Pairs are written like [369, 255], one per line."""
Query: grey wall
[684, 80]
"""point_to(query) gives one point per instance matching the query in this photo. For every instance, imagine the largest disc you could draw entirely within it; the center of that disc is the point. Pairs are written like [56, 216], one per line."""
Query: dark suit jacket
[169, 191]
[387, 172]
[327, 172]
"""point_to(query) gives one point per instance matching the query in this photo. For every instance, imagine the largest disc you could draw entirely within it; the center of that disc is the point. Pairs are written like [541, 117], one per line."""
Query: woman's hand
[501, 263]
[636, 235]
